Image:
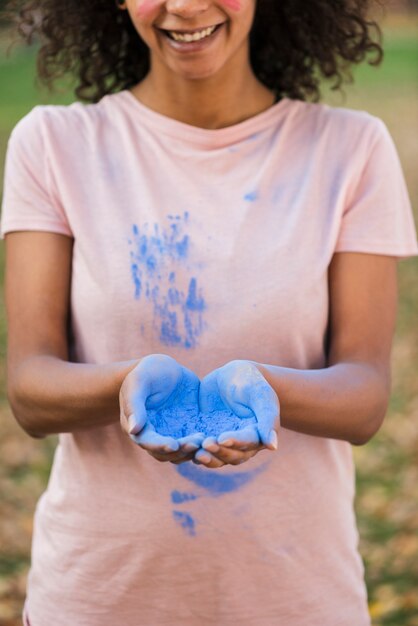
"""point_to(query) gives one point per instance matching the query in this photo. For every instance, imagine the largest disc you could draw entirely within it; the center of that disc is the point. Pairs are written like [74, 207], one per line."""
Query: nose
[186, 8]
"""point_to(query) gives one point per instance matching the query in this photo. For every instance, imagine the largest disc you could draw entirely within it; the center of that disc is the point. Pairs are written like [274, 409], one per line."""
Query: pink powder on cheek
[235, 5]
[147, 7]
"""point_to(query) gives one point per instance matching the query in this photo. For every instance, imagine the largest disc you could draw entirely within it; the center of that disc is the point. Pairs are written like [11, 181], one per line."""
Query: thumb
[133, 414]
[266, 407]
[137, 415]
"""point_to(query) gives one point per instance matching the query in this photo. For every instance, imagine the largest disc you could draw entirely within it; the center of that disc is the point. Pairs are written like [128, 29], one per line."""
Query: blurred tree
[403, 5]
[3, 4]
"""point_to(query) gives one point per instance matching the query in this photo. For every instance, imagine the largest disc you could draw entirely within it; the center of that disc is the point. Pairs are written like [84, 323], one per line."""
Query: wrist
[125, 368]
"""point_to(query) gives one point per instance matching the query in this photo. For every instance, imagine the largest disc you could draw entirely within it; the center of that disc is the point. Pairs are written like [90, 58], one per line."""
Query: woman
[200, 236]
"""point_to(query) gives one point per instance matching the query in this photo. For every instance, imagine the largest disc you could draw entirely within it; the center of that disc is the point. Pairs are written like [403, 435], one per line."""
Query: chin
[195, 73]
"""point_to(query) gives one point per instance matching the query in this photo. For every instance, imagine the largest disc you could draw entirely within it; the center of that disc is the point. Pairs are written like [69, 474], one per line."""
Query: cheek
[146, 8]
[235, 5]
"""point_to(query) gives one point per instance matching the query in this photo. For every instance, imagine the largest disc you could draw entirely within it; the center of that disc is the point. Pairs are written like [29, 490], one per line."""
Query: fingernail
[204, 458]
[212, 447]
[132, 425]
[227, 443]
[173, 447]
[191, 447]
[273, 441]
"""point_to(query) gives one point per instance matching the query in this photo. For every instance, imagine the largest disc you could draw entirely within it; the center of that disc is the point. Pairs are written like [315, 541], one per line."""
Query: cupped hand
[240, 387]
[158, 382]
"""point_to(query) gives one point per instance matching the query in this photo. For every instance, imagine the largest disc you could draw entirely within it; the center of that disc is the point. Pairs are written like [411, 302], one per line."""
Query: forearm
[49, 395]
[344, 401]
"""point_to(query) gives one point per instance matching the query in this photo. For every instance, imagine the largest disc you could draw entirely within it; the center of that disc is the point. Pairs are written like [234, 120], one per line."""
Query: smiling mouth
[190, 36]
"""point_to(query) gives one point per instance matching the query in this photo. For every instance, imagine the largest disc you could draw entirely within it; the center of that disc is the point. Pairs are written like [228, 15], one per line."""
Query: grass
[387, 468]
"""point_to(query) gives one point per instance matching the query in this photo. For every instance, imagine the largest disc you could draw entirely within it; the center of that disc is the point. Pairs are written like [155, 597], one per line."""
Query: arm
[348, 399]
[48, 394]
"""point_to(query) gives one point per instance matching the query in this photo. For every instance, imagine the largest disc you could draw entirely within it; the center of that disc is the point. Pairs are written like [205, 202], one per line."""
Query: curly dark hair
[293, 44]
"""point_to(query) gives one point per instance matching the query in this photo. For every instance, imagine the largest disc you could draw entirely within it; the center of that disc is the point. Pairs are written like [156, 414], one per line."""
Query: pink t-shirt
[207, 245]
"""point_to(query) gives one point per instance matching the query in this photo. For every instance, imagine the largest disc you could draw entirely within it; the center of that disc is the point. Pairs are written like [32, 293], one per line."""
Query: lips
[189, 37]
[181, 40]
[189, 31]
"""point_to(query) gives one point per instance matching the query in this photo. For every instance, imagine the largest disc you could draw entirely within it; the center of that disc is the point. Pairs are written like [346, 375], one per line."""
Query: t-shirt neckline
[217, 137]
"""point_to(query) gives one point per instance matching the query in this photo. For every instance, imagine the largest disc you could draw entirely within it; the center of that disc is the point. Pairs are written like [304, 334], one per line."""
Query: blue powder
[215, 482]
[157, 254]
[136, 276]
[194, 302]
[186, 521]
[182, 247]
[180, 421]
[252, 196]
[178, 497]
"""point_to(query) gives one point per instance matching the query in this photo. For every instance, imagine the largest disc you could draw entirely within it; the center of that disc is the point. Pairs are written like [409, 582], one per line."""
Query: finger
[243, 439]
[208, 460]
[163, 458]
[171, 457]
[153, 441]
[137, 419]
[265, 404]
[188, 457]
[133, 415]
[210, 442]
[134, 405]
[191, 442]
[233, 457]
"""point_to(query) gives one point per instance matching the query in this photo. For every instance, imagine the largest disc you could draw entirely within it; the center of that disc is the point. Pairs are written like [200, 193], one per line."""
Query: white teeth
[194, 37]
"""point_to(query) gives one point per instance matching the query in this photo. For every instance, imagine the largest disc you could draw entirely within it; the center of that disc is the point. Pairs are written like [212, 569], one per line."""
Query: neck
[218, 101]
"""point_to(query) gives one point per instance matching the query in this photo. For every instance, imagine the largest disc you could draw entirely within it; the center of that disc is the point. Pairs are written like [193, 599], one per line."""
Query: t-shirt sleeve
[378, 216]
[30, 198]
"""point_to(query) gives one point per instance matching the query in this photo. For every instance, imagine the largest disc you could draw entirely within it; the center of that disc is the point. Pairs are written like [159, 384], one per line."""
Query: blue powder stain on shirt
[215, 482]
[178, 316]
[143, 248]
[174, 230]
[178, 497]
[169, 332]
[173, 296]
[180, 421]
[252, 196]
[194, 302]
[151, 263]
[136, 279]
[182, 247]
[186, 521]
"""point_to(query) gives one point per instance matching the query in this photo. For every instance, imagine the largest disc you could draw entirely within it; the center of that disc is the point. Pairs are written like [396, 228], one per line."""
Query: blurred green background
[387, 467]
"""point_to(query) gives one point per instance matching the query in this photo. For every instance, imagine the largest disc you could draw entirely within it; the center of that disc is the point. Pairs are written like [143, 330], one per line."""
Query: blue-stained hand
[158, 382]
[240, 387]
